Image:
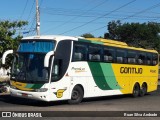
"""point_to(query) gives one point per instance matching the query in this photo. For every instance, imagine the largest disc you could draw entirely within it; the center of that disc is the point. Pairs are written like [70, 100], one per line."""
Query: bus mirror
[46, 59]
[5, 55]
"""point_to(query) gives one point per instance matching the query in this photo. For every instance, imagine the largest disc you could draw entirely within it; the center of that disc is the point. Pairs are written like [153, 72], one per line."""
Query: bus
[53, 68]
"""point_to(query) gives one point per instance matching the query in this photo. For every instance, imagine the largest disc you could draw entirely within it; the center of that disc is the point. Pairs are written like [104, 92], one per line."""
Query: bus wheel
[77, 95]
[143, 90]
[136, 90]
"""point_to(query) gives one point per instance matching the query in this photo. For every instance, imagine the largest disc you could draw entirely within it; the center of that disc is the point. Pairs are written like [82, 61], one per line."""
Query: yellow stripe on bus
[21, 86]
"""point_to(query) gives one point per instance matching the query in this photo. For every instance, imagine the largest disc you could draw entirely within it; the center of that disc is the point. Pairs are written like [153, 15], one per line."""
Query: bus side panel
[103, 79]
[79, 73]
[60, 90]
[94, 77]
[128, 75]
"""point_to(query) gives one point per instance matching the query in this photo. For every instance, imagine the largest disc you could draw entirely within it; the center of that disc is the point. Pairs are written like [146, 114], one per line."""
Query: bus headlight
[41, 90]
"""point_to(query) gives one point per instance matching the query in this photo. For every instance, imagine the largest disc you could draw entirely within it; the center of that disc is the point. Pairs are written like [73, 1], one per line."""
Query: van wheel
[136, 90]
[143, 90]
[77, 95]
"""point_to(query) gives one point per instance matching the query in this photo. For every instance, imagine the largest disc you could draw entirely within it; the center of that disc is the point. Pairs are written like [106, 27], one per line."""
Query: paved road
[150, 102]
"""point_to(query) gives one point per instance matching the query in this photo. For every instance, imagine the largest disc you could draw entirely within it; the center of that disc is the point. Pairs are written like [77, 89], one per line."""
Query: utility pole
[37, 19]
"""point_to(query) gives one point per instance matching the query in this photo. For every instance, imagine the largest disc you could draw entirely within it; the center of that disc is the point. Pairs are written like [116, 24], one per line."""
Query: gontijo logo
[131, 70]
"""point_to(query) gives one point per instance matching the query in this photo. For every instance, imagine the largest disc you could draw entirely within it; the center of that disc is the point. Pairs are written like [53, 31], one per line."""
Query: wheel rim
[75, 95]
[136, 90]
[144, 89]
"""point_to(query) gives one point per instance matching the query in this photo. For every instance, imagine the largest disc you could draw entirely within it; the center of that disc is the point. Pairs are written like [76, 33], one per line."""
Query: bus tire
[143, 90]
[77, 95]
[136, 90]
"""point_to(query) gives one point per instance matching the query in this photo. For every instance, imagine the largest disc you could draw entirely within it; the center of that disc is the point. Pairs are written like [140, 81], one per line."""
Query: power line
[75, 22]
[92, 14]
[111, 16]
[152, 7]
[31, 21]
[32, 24]
[24, 9]
[78, 16]
[22, 15]
[100, 17]
[78, 12]
[31, 10]
[102, 22]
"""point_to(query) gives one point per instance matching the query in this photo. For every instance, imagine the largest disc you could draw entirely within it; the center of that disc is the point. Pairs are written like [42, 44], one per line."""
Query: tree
[87, 35]
[135, 34]
[113, 29]
[8, 38]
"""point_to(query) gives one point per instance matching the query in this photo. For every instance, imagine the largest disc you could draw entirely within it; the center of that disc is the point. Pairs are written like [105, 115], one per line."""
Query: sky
[77, 17]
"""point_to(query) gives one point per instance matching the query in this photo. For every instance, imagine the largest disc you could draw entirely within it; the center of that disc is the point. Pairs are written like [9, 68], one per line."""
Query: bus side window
[80, 52]
[141, 58]
[149, 59]
[61, 59]
[120, 56]
[95, 53]
[56, 69]
[78, 56]
[131, 57]
[109, 54]
[155, 59]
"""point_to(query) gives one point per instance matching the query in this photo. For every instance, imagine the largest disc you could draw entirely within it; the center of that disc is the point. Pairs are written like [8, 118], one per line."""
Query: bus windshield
[28, 63]
[29, 68]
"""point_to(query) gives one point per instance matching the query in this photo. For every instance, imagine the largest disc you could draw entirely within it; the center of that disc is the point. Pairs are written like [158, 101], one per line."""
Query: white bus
[53, 68]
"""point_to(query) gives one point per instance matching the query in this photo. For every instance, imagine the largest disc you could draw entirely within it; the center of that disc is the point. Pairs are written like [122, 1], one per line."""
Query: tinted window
[109, 54]
[149, 59]
[120, 56]
[131, 57]
[80, 52]
[141, 58]
[155, 59]
[61, 60]
[94, 53]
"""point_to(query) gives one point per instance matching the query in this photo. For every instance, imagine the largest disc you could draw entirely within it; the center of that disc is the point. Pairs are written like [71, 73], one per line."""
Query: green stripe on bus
[109, 75]
[29, 85]
[37, 86]
[90, 41]
[83, 40]
[98, 75]
[103, 76]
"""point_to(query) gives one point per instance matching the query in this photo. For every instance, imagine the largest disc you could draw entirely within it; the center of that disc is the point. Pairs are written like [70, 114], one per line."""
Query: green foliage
[135, 34]
[87, 35]
[8, 39]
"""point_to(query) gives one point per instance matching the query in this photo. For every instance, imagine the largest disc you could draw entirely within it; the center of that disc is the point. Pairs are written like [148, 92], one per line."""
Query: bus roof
[115, 43]
[92, 40]
[51, 37]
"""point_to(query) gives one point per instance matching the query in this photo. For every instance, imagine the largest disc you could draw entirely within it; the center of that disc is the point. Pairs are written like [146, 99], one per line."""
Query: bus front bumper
[42, 96]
